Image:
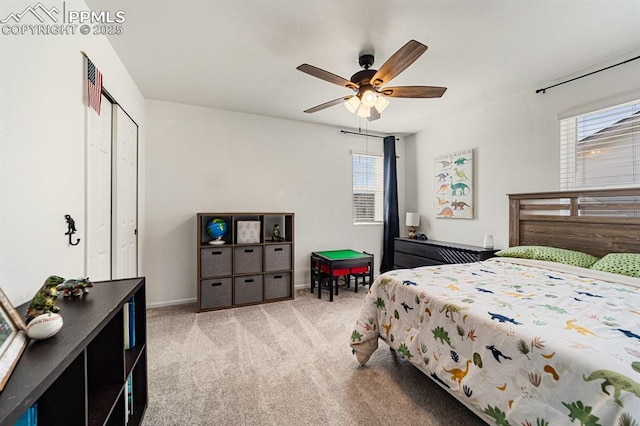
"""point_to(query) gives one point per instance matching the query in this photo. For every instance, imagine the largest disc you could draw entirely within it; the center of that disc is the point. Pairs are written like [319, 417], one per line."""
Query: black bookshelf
[78, 376]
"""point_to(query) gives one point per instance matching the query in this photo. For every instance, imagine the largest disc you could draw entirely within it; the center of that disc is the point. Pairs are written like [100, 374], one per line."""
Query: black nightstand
[413, 253]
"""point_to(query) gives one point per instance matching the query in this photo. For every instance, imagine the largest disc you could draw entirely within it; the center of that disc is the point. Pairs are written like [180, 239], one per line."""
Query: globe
[216, 228]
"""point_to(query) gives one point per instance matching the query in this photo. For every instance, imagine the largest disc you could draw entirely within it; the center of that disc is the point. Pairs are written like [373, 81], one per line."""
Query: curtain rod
[544, 90]
[363, 134]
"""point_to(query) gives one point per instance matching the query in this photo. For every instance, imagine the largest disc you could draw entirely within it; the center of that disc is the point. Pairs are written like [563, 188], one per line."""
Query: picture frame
[13, 338]
[248, 232]
[453, 185]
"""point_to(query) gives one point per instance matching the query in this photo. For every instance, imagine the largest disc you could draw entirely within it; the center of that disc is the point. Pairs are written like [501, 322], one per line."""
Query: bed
[545, 335]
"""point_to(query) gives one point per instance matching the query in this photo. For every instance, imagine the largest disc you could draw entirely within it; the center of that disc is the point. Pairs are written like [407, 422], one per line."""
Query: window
[367, 188]
[601, 148]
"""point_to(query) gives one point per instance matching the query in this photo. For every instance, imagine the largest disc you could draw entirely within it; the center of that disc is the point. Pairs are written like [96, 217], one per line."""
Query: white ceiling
[241, 55]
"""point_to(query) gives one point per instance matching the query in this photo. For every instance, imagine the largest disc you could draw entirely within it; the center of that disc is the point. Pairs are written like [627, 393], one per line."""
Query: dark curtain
[390, 205]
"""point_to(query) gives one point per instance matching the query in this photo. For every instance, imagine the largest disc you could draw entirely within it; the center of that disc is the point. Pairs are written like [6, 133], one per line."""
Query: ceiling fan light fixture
[363, 111]
[368, 98]
[352, 104]
[381, 103]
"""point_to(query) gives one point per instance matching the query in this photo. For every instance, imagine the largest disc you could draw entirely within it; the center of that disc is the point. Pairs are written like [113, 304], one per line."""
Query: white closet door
[98, 226]
[125, 195]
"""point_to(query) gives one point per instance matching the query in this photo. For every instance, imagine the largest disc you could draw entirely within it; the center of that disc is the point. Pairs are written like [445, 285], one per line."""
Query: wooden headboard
[592, 221]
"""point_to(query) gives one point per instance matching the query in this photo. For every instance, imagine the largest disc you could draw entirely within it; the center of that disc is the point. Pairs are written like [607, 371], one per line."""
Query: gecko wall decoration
[71, 229]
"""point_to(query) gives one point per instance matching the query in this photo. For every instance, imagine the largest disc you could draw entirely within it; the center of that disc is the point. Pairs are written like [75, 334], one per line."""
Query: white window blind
[601, 148]
[367, 188]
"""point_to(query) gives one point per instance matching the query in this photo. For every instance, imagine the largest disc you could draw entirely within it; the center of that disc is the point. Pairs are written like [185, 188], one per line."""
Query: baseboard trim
[171, 303]
[194, 300]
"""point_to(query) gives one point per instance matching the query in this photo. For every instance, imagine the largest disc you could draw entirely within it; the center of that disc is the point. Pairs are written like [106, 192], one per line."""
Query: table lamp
[412, 220]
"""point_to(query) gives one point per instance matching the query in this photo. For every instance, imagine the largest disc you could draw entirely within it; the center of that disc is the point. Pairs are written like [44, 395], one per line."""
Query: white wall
[208, 160]
[516, 142]
[42, 149]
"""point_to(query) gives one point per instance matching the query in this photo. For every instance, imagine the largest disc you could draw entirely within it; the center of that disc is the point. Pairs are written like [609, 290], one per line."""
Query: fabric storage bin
[247, 259]
[247, 289]
[248, 231]
[277, 257]
[215, 293]
[277, 285]
[215, 261]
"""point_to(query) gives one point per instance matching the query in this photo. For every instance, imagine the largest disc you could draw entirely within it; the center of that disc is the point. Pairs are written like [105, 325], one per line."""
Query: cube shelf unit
[79, 376]
[248, 268]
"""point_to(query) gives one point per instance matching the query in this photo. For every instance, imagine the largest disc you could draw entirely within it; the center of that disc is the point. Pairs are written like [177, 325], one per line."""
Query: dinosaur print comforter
[519, 342]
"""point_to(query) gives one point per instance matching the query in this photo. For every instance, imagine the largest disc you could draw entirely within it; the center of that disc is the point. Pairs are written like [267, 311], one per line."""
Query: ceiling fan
[370, 97]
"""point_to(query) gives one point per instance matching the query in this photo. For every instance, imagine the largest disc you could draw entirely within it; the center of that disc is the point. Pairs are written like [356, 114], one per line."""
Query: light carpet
[283, 363]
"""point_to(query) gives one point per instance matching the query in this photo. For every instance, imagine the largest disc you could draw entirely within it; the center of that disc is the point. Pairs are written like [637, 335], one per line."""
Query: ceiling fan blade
[327, 76]
[414, 91]
[327, 104]
[398, 62]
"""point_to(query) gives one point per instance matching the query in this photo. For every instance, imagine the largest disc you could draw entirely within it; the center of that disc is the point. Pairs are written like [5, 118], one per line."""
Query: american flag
[94, 86]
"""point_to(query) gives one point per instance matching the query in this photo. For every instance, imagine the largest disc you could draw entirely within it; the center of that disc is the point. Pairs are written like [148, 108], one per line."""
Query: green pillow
[521, 252]
[550, 254]
[619, 263]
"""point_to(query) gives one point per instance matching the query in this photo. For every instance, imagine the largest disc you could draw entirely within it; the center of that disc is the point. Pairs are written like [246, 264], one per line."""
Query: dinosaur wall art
[453, 185]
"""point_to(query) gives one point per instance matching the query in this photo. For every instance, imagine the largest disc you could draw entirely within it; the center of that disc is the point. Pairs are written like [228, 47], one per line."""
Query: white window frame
[373, 187]
[601, 149]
